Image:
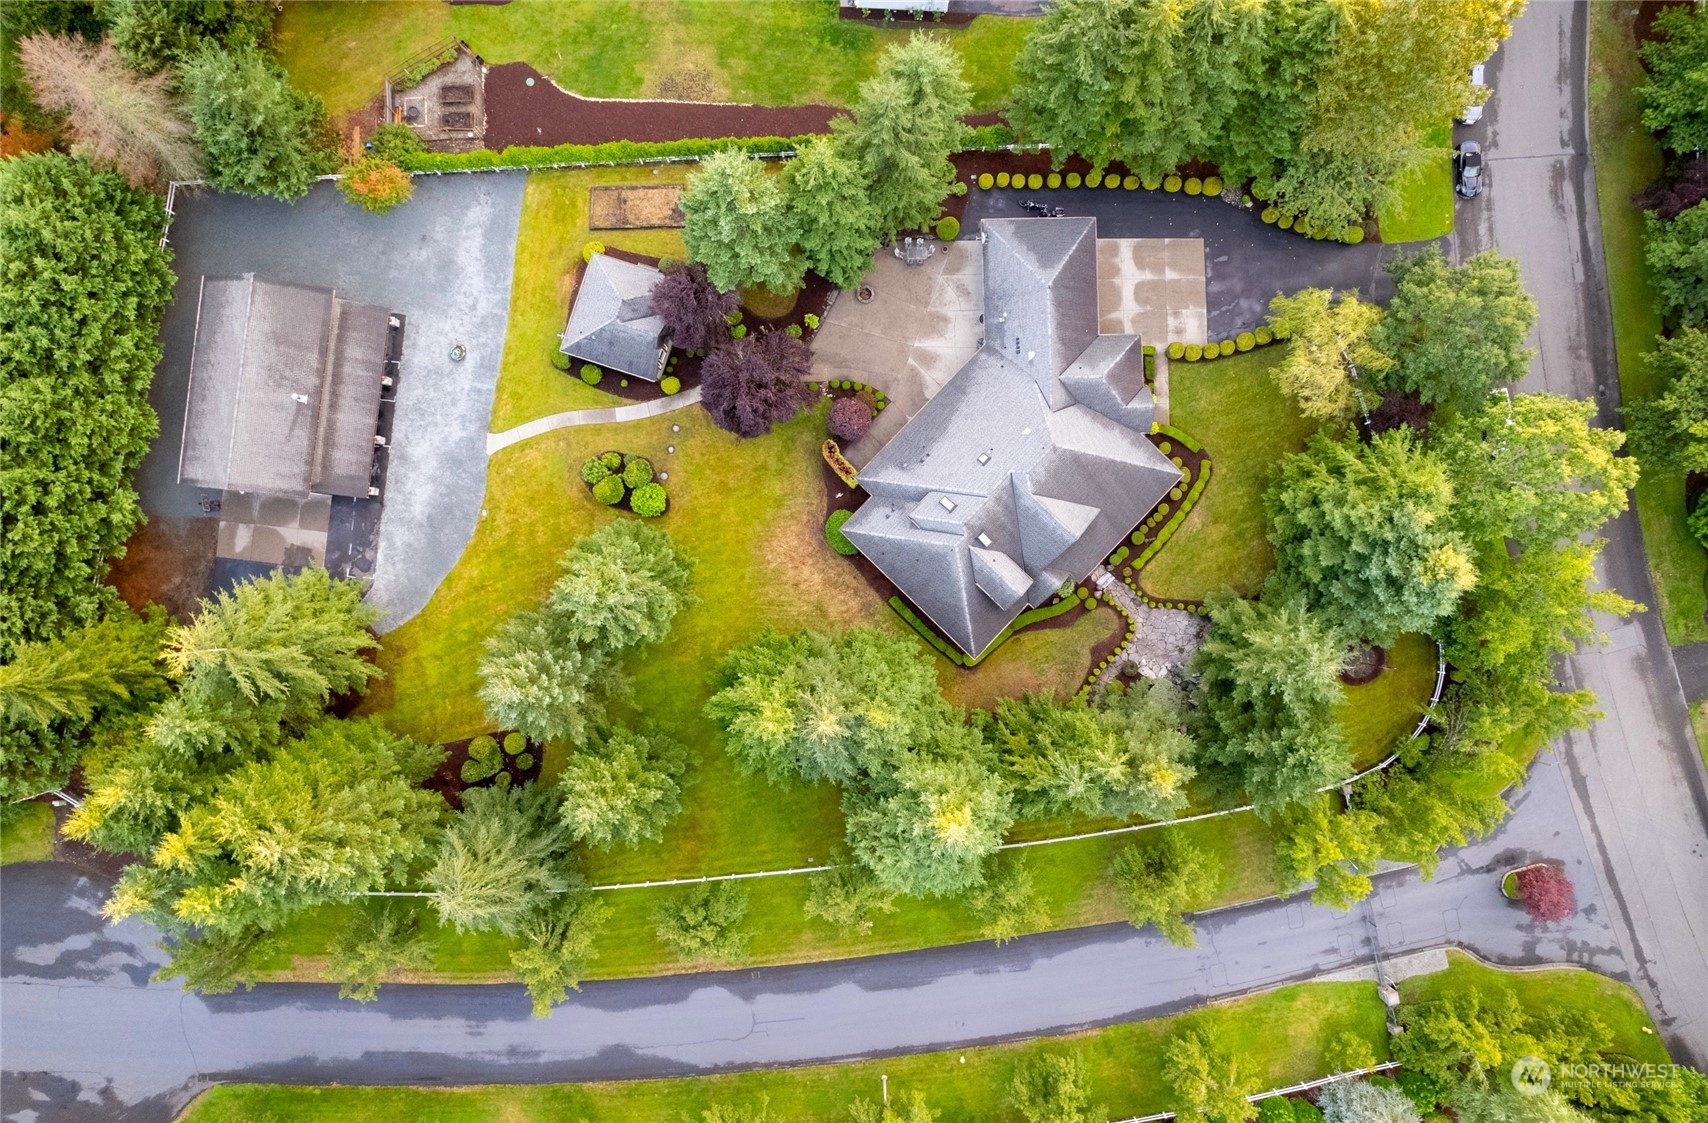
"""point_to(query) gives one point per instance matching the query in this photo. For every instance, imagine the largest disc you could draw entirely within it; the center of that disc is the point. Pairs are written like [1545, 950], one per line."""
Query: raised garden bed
[448, 780]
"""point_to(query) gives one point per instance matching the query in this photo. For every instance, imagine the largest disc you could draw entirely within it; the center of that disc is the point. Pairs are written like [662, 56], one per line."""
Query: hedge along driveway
[775, 52]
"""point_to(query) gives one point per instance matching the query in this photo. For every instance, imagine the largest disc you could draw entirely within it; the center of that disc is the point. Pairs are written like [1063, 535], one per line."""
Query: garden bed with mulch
[1363, 665]
[448, 781]
[633, 473]
[518, 113]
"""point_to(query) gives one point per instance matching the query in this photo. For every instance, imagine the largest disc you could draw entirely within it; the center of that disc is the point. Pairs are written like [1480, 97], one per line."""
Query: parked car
[1468, 169]
[1474, 112]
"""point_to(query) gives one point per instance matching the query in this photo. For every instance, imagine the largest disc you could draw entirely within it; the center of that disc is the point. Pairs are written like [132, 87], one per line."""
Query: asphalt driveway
[1245, 262]
[444, 260]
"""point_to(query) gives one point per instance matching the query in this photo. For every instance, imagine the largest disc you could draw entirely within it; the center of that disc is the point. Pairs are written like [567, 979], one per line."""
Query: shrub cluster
[833, 533]
[613, 477]
[487, 759]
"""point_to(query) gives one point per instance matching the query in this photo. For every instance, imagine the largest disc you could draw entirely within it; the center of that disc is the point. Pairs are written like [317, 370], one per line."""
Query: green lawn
[1699, 726]
[1280, 1037]
[549, 241]
[1234, 409]
[1422, 204]
[1377, 714]
[1626, 160]
[775, 52]
[27, 833]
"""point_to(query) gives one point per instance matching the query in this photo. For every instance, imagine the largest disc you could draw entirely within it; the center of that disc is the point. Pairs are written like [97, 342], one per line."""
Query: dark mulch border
[1378, 663]
[447, 780]
[542, 114]
[628, 493]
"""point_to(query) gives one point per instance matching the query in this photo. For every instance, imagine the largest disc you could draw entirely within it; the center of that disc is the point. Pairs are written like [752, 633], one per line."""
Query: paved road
[78, 1018]
[1638, 782]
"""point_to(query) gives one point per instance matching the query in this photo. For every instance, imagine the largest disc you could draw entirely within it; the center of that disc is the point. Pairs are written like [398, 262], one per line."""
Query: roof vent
[984, 539]
[300, 399]
[1026, 432]
[1030, 355]
[947, 503]
[984, 458]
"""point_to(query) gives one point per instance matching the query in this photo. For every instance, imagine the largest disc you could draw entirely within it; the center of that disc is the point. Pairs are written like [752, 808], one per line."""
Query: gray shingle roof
[1041, 455]
[284, 392]
[612, 324]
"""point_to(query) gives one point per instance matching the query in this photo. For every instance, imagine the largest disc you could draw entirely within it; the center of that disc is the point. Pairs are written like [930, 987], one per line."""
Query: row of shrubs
[839, 464]
[487, 759]
[1127, 639]
[635, 152]
[878, 399]
[954, 654]
[1221, 349]
[614, 477]
[1174, 518]
[1301, 224]
[833, 533]
[1191, 185]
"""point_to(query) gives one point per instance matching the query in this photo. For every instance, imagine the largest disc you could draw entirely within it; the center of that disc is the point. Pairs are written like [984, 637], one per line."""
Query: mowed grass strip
[1627, 159]
[1280, 1038]
[1421, 207]
[27, 834]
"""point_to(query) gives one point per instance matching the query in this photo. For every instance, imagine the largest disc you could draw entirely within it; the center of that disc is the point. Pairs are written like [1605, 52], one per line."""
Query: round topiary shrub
[1245, 341]
[1264, 335]
[1172, 184]
[609, 490]
[1318, 233]
[648, 500]
[591, 374]
[1112, 183]
[1130, 182]
[739, 331]
[1053, 180]
[1212, 185]
[1194, 352]
[1094, 178]
[1352, 235]
[1194, 185]
[833, 533]
[1034, 181]
[1151, 182]
[1164, 447]
[1211, 352]
[1227, 347]
[1177, 462]
[1002, 179]
[1270, 215]
[637, 470]
[593, 470]
[986, 181]
[670, 384]
[590, 249]
[524, 762]
[560, 360]
[1163, 508]
[1074, 179]
[948, 228]
[1176, 493]
[1285, 222]
[613, 460]
[514, 744]
[1176, 349]
[849, 419]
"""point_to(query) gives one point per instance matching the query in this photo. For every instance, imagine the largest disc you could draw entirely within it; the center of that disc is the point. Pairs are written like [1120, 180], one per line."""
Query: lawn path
[605, 416]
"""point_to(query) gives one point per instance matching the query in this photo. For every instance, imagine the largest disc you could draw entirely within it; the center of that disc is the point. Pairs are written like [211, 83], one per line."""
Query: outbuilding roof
[612, 324]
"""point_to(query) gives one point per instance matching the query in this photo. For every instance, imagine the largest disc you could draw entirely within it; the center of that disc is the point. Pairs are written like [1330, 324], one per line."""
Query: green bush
[560, 360]
[986, 181]
[1194, 185]
[484, 760]
[1111, 183]
[1270, 215]
[613, 460]
[593, 470]
[1264, 335]
[1213, 185]
[1227, 347]
[524, 762]
[811, 321]
[1171, 184]
[648, 500]
[590, 249]
[1285, 222]
[1194, 352]
[1130, 182]
[1352, 235]
[609, 490]
[591, 374]
[1034, 181]
[637, 471]
[1094, 178]
[833, 533]
[1211, 352]
[1002, 179]
[514, 744]
[1053, 180]
[1074, 179]
[1245, 341]
[739, 331]
[948, 228]
[1176, 349]
[793, 331]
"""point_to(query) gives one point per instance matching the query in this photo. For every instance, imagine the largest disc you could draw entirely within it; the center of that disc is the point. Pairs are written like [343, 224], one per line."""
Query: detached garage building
[285, 386]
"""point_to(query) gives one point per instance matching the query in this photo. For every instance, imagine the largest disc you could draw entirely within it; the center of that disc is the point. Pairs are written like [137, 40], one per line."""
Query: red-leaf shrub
[753, 383]
[849, 419]
[1547, 893]
[691, 307]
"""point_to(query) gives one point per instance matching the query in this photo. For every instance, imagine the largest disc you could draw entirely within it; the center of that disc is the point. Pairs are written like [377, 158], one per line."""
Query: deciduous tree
[1205, 1081]
[1672, 430]
[501, 860]
[831, 210]
[1677, 253]
[1675, 96]
[748, 385]
[704, 922]
[846, 898]
[906, 1107]
[260, 135]
[1006, 901]
[1330, 363]
[1053, 1088]
[1163, 878]
[1547, 893]
[376, 943]
[556, 946]
[1335, 849]
[622, 788]
[1447, 798]
[691, 307]
[736, 222]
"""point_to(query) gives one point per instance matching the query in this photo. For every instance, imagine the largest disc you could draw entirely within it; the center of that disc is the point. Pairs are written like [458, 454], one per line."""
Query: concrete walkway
[603, 416]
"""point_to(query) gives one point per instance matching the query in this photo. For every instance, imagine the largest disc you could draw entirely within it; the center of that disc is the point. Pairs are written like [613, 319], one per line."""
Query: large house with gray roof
[611, 324]
[285, 384]
[1032, 463]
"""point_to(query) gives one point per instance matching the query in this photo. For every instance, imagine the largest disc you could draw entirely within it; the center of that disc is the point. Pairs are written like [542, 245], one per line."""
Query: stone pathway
[1164, 639]
[603, 416]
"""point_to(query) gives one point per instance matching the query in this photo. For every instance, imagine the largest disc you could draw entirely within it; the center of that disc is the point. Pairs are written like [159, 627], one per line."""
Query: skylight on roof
[948, 504]
[984, 539]
[984, 458]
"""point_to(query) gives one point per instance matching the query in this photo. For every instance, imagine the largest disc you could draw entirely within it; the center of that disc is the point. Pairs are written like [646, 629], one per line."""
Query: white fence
[1387, 1066]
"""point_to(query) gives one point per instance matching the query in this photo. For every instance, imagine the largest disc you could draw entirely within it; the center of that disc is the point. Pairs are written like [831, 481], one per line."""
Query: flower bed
[498, 759]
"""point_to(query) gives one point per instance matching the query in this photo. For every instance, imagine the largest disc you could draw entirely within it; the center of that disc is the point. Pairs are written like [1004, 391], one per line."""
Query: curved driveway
[79, 1021]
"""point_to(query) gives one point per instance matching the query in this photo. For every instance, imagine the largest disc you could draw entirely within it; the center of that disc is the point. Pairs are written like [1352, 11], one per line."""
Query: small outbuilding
[611, 324]
[285, 385]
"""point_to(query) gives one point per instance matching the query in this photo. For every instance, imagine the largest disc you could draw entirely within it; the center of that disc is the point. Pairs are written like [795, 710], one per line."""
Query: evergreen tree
[1337, 850]
[736, 222]
[831, 211]
[1363, 533]
[217, 962]
[622, 788]
[260, 135]
[1455, 332]
[106, 663]
[906, 124]
[621, 587]
[906, 1107]
[1358, 1101]
[1163, 878]
[155, 34]
[502, 860]
[1053, 1088]
[1672, 430]
[1330, 365]
[1205, 1081]
[1268, 684]
[536, 680]
[375, 943]
[1675, 96]
[76, 361]
[556, 946]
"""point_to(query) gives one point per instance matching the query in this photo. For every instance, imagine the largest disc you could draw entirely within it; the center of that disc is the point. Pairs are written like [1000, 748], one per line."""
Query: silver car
[1468, 169]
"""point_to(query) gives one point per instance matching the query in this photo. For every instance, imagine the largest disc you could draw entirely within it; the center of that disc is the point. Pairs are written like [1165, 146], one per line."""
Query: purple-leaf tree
[849, 419]
[753, 383]
[692, 309]
[1547, 893]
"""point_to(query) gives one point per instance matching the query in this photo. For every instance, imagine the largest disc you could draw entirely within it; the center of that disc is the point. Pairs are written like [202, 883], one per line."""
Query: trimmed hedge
[954, 654]
[1184, 438]
[839, 464]
[1179, 516]
[609, 490]
[648, 500]
[986, 181]
[591, 374]
[670, 384]
[833, 533]
[948, 228]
